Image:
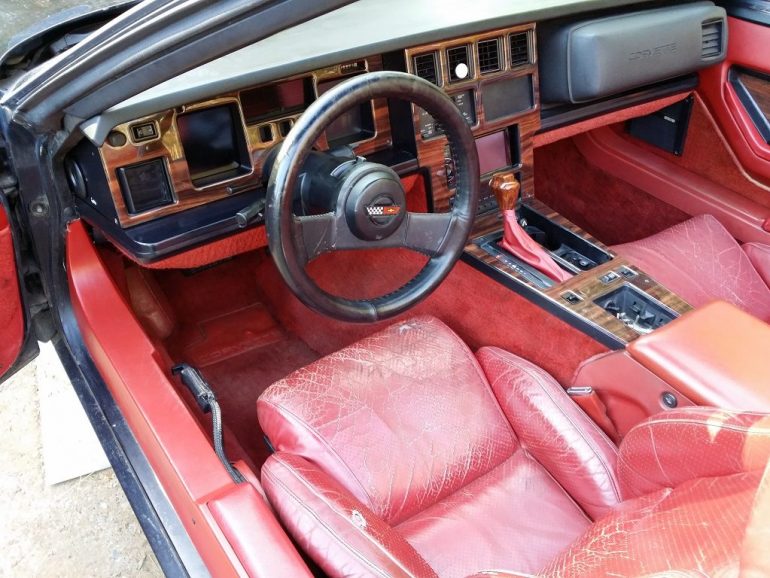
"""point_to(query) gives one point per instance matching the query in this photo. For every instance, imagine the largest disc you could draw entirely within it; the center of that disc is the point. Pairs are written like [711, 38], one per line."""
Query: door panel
[11, 312]
[747, 54]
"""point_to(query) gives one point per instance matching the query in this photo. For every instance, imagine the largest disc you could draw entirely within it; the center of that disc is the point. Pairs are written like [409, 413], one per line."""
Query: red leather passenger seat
[702, 262]
[406, 455]
[404, 429]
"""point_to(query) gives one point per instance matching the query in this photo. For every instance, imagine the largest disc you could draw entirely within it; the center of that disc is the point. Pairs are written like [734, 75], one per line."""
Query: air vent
[459, 63]
[425, 67]
[712, 38]
[489, 56]
[519, 48]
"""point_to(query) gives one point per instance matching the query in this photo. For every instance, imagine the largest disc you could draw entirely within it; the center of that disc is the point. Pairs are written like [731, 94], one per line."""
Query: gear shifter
[515, 239]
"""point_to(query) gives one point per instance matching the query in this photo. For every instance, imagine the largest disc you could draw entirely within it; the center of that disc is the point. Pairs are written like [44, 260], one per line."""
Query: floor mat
[225, 330]
[240, 380]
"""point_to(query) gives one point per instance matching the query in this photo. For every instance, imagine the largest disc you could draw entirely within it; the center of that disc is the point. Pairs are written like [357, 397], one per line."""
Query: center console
[607, 297]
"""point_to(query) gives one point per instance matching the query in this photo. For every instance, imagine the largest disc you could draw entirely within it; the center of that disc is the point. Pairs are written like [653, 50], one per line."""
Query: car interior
[483, 295]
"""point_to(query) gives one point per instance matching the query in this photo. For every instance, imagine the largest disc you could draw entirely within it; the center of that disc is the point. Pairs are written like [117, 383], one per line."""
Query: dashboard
[152, 180]
[157, 183]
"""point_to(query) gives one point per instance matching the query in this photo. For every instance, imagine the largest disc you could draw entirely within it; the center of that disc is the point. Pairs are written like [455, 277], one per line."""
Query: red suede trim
[11, 314]
[707, 154]
[621, 115]
[610, 209]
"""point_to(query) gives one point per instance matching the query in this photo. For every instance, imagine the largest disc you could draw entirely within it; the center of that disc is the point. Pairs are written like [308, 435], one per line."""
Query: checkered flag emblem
[382, 210]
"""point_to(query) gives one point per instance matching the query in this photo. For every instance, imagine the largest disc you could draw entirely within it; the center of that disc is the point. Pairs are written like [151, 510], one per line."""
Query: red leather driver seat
[406, 455]
[702, 262]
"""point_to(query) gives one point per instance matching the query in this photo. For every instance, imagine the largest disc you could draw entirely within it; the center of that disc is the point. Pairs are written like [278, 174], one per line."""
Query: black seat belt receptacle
[207, 401]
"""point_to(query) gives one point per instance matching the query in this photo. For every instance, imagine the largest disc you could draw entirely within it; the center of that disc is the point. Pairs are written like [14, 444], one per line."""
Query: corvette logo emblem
[383, 210]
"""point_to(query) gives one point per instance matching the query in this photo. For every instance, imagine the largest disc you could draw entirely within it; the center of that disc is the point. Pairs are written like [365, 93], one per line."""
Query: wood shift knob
[506, 189]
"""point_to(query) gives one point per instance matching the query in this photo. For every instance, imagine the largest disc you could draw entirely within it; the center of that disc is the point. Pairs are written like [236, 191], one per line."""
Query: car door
[738, 91]
[16, 345]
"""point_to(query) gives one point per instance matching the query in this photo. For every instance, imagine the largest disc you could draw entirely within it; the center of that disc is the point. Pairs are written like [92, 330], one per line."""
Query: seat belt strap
[207, 401]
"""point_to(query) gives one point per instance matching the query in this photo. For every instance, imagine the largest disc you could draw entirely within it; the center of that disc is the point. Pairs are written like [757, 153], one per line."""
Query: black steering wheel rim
[287, 249]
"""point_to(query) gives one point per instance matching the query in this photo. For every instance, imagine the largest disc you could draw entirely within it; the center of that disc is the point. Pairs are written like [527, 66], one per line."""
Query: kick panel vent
[459, 63]
[712, 38]
[519, 48]
[489, 56]
[425, 66]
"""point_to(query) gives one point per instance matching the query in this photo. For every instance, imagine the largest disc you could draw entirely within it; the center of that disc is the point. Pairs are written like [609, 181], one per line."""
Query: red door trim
[747, 47]
[11, 312]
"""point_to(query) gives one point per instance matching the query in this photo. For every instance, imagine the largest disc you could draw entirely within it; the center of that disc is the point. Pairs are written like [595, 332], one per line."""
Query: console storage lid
[717, 355]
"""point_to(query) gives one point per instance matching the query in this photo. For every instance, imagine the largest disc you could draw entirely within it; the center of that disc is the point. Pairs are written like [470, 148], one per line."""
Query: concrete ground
[80, 528]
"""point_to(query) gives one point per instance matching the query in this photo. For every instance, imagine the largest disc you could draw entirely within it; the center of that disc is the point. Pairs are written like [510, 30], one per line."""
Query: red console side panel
[178, 450]
[630, 391]
[11, 314]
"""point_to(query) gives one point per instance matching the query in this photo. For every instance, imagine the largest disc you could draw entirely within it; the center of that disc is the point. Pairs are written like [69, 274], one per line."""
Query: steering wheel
[365, 202]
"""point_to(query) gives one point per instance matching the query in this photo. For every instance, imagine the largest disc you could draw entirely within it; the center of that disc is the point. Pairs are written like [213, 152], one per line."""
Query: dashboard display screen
[355, 124]
[276, 100]
[506, 97]
[214, 144]
[494, 153]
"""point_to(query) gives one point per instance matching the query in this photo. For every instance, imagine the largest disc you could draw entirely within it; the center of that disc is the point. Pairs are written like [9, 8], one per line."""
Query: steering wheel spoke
[426, 232]
[317, 234]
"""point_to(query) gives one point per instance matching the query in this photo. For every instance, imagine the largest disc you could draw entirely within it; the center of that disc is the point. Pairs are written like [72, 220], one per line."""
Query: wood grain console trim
[431, 152]
[586, 285]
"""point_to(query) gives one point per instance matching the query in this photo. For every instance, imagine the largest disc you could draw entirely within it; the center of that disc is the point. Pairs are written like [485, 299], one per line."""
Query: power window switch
[608, 278]
[571, 297]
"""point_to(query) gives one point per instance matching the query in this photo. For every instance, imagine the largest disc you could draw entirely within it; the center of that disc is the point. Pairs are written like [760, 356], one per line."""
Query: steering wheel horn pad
[370, 211]
[375, 202]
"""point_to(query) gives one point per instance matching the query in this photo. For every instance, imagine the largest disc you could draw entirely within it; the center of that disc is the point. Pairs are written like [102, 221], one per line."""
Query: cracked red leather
[519, 244]
[755, 555]
[695, 529]
[401, 419]
[11, 317]
[677, 446]
[407, 425]
[515, 516]
[340, 533]
[576, 452]
[595, 409]
[701, 261]
[759, 255]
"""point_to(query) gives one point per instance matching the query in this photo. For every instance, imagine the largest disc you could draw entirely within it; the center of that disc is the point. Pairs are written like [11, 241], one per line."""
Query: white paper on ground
[70, 446]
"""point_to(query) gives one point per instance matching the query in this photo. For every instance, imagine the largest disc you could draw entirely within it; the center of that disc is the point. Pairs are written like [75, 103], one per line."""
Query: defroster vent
[489, 56]
[519, 48]
[459, 63]
[426, 66]
[712, 38]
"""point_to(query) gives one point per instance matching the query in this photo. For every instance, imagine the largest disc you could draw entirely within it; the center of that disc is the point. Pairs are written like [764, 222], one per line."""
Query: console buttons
[608, 278]
[571, 297]
[627, 273]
